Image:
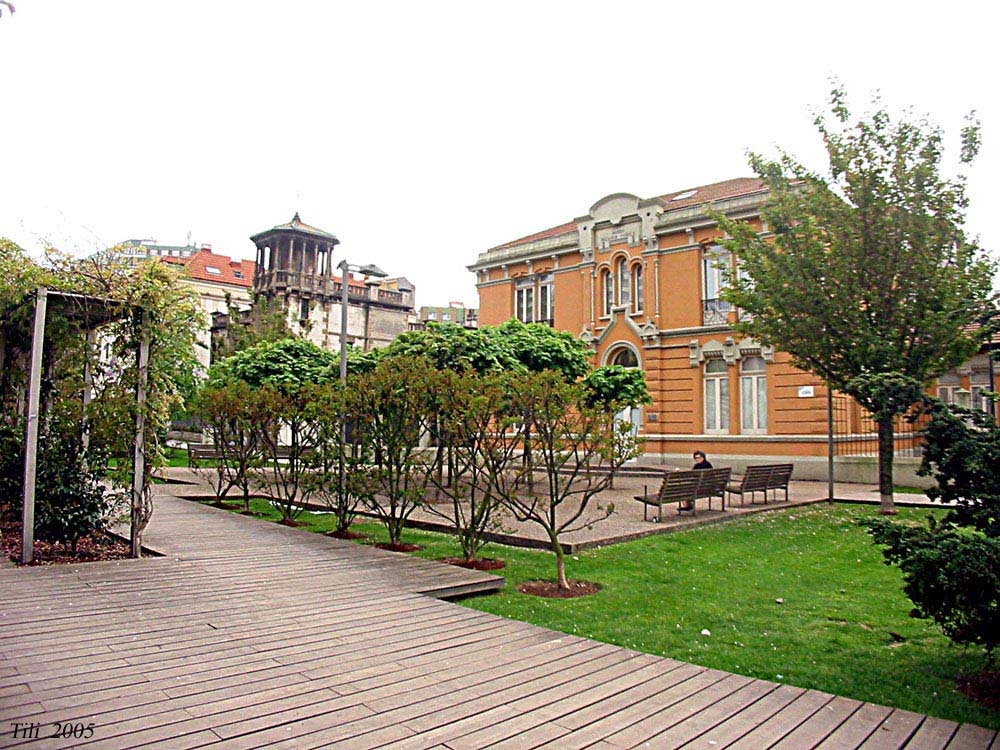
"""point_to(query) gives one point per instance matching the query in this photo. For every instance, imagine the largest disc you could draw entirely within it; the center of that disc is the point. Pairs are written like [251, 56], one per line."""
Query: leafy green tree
[452, 347]
[286, 363]
[614, 384]
[539, 347]
[869, 280]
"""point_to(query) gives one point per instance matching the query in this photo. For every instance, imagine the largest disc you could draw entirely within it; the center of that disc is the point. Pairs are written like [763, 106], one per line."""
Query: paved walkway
[250, 635]
[627, 522]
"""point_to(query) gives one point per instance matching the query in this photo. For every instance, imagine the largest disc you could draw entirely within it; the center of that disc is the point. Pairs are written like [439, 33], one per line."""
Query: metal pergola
[92, 313]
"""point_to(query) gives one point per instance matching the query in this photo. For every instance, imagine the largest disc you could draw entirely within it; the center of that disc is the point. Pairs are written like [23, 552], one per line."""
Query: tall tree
[869, 280]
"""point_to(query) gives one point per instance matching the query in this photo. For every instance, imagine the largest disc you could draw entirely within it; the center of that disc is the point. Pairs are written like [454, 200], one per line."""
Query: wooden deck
[250, 635]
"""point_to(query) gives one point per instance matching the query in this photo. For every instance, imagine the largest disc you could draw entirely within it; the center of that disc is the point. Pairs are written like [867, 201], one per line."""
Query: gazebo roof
[298, 226]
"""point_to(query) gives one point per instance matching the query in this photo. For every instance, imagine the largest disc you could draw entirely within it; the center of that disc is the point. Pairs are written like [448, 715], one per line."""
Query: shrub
[70, 501]
[951, 575]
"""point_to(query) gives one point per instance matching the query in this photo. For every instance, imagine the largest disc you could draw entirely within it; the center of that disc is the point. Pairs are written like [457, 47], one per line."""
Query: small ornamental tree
[392, 415]
[478, 416]
[231, 416]
[867, 272]
[286, 433]
[334, 411]
[951, 569]
[579, 448]
[283, 374]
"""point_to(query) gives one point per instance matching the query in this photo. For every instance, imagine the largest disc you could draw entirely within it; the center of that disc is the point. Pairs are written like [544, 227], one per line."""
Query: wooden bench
[762, 478]
[198, 453]
[684, 488]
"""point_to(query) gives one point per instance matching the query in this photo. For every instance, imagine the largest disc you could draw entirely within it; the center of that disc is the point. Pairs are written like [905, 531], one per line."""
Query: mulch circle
[400, 547]
[291, 522]
[347, 534]
[551, 590]
[983, 688]
[478, 563]
[94, 548]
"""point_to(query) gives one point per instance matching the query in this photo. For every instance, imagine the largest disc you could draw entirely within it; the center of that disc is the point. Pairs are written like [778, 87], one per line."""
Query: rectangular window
[753, 403]
[715, 262]
[524, 303]
[546, 299]
[717, 404]
[304, 309]
[637, 291]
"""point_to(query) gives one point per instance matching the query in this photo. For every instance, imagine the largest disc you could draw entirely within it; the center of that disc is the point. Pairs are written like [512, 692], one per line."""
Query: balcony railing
[715, 312]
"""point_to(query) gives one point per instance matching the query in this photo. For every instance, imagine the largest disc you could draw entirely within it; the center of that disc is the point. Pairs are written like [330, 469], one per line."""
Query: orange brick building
[640, 281]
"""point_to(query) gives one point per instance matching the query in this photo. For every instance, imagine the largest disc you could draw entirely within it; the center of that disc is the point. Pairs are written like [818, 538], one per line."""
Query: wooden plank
[932, 734]
[971, 737]
[820, 725]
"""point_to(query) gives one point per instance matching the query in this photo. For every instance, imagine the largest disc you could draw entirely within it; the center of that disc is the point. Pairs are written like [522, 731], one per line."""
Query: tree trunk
[886, 438]
[560, 564]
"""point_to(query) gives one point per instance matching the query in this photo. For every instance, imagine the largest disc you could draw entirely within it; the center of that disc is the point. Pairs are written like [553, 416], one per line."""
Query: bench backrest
[679, 485]
[757, 477]
[713, 481]
[780, 475]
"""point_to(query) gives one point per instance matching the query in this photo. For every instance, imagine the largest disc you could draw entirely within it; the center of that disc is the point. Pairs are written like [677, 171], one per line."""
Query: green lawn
[831, 632]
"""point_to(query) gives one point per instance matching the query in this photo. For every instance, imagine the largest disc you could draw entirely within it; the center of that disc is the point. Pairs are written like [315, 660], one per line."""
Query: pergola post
[31, 436]
[139, 462]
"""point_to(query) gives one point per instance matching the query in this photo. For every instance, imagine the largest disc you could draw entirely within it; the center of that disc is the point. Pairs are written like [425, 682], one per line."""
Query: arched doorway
[625, 355]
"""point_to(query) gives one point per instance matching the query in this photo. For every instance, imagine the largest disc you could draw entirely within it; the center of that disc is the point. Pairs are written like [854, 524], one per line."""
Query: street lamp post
[345, 269]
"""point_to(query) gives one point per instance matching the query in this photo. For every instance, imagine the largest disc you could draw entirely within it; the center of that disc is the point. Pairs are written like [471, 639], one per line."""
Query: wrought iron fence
[856, 434]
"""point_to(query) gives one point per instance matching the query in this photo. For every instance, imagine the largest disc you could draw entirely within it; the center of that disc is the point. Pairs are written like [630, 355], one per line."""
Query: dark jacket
[706, 464]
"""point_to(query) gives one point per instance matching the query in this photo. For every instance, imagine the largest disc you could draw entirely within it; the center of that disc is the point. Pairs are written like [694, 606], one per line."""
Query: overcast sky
[421, 133]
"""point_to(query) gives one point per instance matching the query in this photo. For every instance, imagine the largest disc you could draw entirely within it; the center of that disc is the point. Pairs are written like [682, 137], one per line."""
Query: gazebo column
[31, 436]
[139, 460]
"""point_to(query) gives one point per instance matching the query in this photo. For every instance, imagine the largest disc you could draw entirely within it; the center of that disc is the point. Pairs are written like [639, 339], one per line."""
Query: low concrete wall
[854, 469]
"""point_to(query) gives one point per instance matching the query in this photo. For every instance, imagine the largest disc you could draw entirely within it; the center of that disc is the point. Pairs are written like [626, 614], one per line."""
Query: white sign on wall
[807, 391]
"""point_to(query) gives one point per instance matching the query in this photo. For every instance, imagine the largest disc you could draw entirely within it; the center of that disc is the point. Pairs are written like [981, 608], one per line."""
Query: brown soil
[346, 534]
[983, 688]
[477, 563]
[551, 590]
[400, 547]
[290, 522]
[94, 548]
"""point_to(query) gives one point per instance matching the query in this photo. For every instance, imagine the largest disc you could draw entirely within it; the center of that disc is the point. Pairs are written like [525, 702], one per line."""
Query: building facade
[215, 279]
[296, 267]
[640, 280]
[455, 312]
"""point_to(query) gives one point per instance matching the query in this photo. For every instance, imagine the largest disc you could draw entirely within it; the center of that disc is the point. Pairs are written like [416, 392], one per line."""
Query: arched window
[637, 288]
[625, 357]
[716, 396]
[753, 395]
[622, 282]
[608, 290]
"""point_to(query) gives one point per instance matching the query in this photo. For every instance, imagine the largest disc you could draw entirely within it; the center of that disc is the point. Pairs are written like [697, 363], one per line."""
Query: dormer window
[213, 270]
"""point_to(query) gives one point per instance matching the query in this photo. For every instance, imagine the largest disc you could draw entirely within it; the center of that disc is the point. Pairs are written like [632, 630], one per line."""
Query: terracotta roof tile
[703, 194]
[229, 271]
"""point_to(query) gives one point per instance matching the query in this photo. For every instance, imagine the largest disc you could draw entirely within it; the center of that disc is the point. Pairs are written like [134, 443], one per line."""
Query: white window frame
[753, 390]
[623, 283]
[716, 385]
[637, 288]
[524, 301]
[547, 298]
[607, 292]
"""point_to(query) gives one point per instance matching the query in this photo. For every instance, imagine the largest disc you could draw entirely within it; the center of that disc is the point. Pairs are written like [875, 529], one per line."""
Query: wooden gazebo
[91, 313]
